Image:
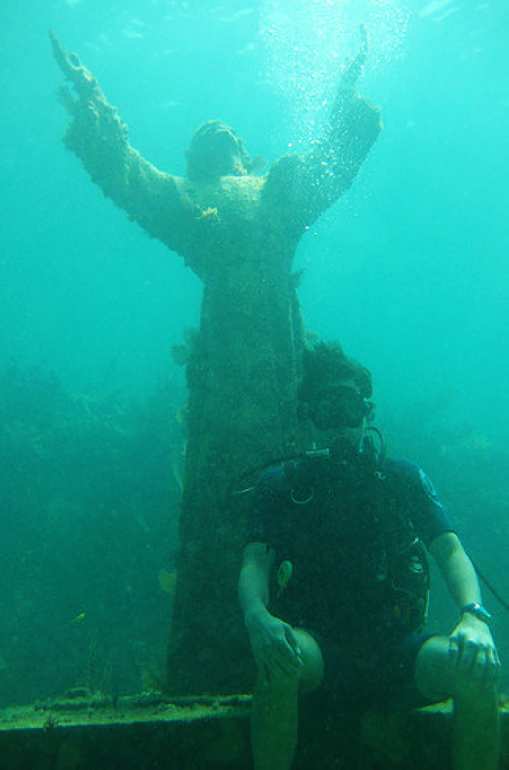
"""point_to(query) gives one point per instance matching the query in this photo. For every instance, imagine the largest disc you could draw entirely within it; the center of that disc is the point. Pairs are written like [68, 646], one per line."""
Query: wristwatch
[478, 611]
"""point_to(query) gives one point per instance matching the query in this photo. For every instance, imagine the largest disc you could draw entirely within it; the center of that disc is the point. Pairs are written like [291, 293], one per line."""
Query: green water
[408, 270]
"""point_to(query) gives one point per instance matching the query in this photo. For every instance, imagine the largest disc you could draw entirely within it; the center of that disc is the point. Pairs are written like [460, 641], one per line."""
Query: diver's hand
[473, 650]
[81, 78]
[273, 643]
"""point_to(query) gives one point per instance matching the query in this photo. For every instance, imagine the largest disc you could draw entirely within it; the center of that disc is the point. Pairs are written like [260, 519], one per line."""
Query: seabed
[151, 731]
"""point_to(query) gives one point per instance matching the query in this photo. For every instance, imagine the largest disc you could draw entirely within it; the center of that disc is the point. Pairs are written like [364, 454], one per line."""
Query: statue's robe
[239, 235]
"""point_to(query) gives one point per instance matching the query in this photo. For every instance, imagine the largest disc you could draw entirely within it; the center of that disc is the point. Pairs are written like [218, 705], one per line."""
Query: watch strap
[478, 611]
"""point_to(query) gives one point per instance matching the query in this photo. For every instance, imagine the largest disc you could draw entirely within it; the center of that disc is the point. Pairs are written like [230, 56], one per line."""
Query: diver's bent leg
[274, 721]
[275, 712]
[311, 675]
[476, 731]
[476, 742]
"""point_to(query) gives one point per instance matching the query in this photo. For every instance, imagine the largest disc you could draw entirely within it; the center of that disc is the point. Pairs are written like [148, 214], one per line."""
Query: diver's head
[335, 394]
[216, 150]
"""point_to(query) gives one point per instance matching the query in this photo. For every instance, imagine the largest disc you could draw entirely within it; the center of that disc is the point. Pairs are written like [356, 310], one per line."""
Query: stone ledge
[149, 730]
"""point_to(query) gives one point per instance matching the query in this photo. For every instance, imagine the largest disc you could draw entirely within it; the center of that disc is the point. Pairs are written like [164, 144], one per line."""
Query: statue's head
[216, 150]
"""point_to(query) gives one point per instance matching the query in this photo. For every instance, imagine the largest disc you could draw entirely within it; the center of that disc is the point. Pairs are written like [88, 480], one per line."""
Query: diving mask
[339, 406]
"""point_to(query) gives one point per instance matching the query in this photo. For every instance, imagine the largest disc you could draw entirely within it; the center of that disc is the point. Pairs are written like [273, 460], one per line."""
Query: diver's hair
[326, 362]
[195, 164]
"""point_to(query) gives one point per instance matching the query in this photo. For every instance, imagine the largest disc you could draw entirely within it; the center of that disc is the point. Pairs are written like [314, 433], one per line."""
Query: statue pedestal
[150, 730]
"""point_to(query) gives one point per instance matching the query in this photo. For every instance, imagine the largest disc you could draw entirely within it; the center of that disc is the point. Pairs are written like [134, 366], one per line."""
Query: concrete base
[152, 732]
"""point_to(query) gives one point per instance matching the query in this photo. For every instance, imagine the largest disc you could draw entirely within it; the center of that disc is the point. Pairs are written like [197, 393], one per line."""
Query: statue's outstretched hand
[353, 71]
[349, 106]
[82, 79]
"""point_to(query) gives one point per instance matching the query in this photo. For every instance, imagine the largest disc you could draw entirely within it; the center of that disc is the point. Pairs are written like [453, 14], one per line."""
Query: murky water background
[408, 270]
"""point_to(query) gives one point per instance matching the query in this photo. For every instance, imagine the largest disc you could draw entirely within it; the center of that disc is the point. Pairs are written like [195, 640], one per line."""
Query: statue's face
[215, 152]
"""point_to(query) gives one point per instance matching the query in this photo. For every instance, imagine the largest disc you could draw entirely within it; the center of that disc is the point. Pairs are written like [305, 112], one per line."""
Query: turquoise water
[409, 270]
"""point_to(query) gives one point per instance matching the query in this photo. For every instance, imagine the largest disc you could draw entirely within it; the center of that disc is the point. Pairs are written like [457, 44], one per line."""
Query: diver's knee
[311, 673]
[438, 677]
[434, 671]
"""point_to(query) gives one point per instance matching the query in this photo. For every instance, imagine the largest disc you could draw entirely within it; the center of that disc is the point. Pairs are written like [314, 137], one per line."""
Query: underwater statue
[238, 233]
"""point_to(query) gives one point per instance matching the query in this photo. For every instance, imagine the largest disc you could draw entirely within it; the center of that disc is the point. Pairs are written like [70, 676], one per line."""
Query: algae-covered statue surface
[238, 232]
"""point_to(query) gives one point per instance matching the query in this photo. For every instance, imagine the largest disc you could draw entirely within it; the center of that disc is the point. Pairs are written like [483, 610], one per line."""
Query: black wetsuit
[340, 526]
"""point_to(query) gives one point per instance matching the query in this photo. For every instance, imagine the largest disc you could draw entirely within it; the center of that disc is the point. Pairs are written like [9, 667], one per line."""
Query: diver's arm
[308, 184]
[273, 642]
[470, 640]
[253, 586]
[99, 137]
[456, 568]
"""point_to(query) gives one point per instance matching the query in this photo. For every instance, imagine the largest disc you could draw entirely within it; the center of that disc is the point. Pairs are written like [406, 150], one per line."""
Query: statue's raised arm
[306, 185]
[99, 137]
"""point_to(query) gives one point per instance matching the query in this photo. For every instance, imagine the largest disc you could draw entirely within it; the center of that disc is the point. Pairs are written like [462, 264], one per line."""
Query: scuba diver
[334, 582]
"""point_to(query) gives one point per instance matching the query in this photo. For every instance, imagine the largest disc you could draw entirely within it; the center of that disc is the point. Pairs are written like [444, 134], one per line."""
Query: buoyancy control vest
[391, 557]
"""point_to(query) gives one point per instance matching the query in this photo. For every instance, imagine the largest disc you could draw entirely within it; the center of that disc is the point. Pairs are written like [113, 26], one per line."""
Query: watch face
[478, 611]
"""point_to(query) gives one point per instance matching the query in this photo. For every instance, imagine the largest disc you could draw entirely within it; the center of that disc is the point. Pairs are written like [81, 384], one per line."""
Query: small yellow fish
[284, 575]
[211, 214]
[167, 581]
[79, 618]
[181, 415]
